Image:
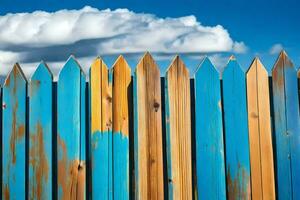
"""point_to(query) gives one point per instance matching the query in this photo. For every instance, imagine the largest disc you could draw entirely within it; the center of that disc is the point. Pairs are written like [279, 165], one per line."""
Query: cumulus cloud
[275, 49]
[88, 32]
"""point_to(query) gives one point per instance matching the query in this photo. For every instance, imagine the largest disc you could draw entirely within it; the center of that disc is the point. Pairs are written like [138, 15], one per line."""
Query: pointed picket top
[121, 63]
[42, 71]
[97, 63]
[71, 63]
[206, 64]
[255, 65]
[232, 65]
[15, 72]
[283, 61]
[178, 67]
[147, 61]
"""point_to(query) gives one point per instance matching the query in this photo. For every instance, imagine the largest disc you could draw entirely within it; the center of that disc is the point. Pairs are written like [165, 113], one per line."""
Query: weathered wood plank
[210, 161]
[71, 182]
[236, 132]
[13, 138]
[121, 83]
[287, 128]
[260, 135]
[101, 130]
[40, 134]
[148, 130]
[178, 123]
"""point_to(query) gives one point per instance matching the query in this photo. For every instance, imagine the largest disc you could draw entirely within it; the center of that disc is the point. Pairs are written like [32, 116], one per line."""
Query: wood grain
[236, 132]
[178, 122]
[211, 181]
[101, 130]
[148, 130]
[120, 113]
[13, 138]
[40, 134]
[260, 139]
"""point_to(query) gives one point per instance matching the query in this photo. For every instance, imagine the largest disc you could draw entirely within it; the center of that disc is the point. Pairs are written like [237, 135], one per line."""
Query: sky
[51, 30]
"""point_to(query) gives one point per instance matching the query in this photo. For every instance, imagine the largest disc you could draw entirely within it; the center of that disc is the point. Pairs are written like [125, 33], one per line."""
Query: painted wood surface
[260, 135]
[178, 126]
[120, 113]
[236, 132]
[210, 161]
[287, 128]
[101, 130]
[40, 134]
[71, 176]
[148, 131]
[13, 138]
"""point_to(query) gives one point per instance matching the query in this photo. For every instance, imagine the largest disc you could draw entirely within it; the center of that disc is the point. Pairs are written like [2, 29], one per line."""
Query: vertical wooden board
[121, 83]
[40, 134]
[13, 138]
[69, 108]
[282, 141]
[82, 183]
[236, 132]
[210, 161]
[101, 130]
[292, 121]
[178, 120]
[148, 131]
[260, 139]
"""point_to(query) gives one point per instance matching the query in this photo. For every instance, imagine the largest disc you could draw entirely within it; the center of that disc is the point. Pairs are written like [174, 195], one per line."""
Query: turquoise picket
[210, 161]
[13, 138]
[236, 132]
[40, 134]
[70, 127]
[287, 128]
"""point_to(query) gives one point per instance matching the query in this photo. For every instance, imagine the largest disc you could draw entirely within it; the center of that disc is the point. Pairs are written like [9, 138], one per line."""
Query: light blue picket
[40, 134]
[70, 125]
[210, 161]
[287, 128]
[13, 138]
[236, 132]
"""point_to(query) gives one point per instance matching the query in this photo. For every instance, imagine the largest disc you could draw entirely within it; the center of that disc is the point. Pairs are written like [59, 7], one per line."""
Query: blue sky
[255, 28]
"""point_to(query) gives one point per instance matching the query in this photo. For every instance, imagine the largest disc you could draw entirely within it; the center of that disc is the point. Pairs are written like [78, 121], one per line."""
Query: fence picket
[71, 177]
[178, 123]
[14, 136]
[260, 138]
[287, 127]
[236, 132]
[211, 182]
[121, 92]
[148, 130]
[40, 134]
[101, 130]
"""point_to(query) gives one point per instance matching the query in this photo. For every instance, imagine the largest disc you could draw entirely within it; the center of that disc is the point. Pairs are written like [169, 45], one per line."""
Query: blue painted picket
[287, 128]
[210, 161]
[70, 115]
[13, 138]
[236, 132]
[40, 134]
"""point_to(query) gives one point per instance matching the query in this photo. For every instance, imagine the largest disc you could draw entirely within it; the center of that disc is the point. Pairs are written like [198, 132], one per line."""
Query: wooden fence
[120, 136]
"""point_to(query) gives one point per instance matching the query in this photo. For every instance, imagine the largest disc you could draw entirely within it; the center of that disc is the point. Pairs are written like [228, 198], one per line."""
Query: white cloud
[30, 37]
[275, 49]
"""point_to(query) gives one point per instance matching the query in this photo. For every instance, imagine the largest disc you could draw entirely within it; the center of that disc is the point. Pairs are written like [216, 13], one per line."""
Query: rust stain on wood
[6, 192]
[17, 133]
[234, 189]
[39, 162]
[71, 175]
